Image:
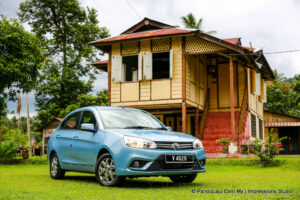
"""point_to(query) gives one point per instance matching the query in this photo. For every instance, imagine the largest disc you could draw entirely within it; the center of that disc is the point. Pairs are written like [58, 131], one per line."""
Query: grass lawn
[33, 182]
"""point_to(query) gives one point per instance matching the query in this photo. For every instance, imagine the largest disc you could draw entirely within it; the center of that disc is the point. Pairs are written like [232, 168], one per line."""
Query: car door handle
[75, 137]
[57, 136]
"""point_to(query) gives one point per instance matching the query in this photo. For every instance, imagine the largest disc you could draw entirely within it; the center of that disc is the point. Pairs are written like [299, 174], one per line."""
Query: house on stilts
[193, 82]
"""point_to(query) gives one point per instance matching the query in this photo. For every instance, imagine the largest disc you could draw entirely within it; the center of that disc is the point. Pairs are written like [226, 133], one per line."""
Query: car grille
[170, 146]
[160, 165]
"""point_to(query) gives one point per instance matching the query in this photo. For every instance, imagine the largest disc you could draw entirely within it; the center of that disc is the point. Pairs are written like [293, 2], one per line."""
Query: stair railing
[204, 114]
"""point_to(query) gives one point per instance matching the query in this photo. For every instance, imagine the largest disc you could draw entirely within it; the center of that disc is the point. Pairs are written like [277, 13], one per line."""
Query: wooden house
[48, 130]
[193, 82]
[284, 126]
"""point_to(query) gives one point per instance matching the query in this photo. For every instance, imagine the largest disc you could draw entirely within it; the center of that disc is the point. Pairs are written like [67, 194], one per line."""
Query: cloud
[12, 105]
[269, 23]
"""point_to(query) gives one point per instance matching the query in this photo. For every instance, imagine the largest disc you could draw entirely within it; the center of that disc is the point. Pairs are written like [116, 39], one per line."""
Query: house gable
[145, 25]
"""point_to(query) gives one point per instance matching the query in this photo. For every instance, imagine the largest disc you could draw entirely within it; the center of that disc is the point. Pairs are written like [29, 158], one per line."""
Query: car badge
[175, 146]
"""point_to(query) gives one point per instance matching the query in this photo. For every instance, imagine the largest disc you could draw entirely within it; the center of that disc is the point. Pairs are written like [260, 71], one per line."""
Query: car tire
[186, 178]
[105, 172]
[55, 170]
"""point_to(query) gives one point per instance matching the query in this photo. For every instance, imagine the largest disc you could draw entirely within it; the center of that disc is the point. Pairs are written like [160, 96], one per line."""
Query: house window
[260, 127]
[161, 65]
[130, 68]
[253, 125]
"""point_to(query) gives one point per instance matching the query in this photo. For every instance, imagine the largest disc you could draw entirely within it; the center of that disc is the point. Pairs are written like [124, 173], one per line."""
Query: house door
[291, 144]
[212, 75]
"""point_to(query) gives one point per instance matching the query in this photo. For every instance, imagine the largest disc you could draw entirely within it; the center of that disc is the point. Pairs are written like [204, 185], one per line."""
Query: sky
[272, 25]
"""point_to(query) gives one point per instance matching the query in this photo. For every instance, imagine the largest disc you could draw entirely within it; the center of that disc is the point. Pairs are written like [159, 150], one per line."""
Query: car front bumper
[154, 162]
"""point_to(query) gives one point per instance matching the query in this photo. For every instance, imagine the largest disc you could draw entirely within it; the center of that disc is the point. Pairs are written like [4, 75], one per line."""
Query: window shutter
[257, 84]
[140, 67]
[123, 73]
[265, 92]
[147, 61]
[171, 63]
[116, 68]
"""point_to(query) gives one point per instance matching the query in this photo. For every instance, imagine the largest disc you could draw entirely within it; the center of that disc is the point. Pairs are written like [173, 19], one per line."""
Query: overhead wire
[129, 4]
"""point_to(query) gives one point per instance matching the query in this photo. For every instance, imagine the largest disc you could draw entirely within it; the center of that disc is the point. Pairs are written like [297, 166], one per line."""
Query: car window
[88, 117]
[123, 118]
[72, 121]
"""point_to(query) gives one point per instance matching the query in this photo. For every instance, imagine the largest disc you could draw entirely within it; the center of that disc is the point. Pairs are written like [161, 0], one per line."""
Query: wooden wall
[196, 80]
[273, 117]
[220, 86]
[256, 106]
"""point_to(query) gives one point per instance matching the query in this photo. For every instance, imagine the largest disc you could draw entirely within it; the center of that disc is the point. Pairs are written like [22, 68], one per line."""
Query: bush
[267, 151]
[10, 141]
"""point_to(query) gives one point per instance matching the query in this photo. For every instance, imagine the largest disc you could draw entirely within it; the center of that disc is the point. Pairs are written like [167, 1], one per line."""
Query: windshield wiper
[135, 127]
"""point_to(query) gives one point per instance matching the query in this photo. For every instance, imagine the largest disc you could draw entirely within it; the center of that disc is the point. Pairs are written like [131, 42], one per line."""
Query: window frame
[77, 121]
[169, 68]
[123, 71]
[96, 126]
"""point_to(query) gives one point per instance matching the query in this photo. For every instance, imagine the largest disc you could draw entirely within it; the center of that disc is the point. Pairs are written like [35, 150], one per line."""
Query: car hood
[155, 135]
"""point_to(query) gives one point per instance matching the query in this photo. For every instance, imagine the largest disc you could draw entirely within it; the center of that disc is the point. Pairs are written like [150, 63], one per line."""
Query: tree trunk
[28, 126]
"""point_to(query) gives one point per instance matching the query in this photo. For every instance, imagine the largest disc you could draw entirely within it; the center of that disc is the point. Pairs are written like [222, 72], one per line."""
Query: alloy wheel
[106, 171]
[54, 166]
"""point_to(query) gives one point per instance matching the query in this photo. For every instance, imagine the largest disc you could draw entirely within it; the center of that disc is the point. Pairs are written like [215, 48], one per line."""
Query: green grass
[33, 182]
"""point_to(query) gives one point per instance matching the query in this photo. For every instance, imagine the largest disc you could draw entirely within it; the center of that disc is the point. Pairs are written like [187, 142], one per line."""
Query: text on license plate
[179, 159]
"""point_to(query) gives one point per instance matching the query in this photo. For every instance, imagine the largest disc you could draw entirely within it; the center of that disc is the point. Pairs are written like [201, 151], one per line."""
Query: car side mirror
[87, 127]
[169, 128]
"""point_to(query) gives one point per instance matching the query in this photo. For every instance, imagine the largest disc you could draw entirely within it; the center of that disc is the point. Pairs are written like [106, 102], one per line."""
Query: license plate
[179, 158]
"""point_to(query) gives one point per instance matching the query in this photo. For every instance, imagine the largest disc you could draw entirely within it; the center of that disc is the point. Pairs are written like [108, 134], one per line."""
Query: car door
[64, 138]
[85, 144]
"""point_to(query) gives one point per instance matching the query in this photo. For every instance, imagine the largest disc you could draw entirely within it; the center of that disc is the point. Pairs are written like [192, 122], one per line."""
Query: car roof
[94, 108]
[107, 108]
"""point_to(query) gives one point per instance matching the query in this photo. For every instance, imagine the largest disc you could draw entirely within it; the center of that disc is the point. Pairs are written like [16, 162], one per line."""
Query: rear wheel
[187, 178]
[106, 171]
[55, 170]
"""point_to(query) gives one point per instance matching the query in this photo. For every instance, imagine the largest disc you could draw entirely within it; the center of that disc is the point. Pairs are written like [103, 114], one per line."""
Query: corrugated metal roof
[233, 40]
[58, 119]
[281, 124]
[104, 62]
[152, 33]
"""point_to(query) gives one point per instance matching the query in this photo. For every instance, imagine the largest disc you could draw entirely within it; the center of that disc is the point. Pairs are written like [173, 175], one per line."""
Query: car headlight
[140, 143]
[197, 144]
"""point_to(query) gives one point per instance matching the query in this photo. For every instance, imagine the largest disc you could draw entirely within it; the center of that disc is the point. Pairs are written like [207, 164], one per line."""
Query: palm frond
[211, 32]
[199, 24]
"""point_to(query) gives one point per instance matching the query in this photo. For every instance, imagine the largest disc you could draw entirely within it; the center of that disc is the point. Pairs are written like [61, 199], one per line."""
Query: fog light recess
[202, 162]
[138, 163]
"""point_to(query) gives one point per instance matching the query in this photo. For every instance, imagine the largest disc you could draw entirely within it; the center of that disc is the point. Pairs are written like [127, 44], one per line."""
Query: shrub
[267, 151]
[10, 141]
[224, 141]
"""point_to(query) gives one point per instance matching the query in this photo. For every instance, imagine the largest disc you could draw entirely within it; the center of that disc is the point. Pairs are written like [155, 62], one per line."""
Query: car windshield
[128, 119]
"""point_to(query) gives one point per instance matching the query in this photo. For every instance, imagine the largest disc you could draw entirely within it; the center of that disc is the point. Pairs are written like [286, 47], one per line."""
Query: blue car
[117, 142]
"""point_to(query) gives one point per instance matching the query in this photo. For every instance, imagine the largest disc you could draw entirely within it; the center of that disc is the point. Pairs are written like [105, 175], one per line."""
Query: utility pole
[28, 126]
[19, 105]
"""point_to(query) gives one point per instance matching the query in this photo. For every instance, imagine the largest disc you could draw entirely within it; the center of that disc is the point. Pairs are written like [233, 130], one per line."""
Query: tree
[277, 100]
[65, 29]
[279, 76]
[190, 21]
[87, 100]
[101, 99]
[295, 96]
[20, 59]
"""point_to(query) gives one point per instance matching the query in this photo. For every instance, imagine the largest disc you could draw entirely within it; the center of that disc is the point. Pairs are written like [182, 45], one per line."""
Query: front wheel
[187, 178]
[106, 171]
[55, 170]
